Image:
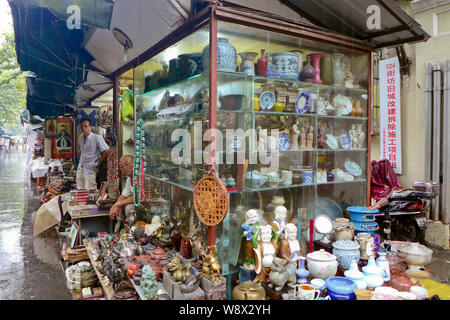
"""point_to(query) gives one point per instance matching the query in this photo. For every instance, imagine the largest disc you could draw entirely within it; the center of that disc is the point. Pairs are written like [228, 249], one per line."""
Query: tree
[12, 84]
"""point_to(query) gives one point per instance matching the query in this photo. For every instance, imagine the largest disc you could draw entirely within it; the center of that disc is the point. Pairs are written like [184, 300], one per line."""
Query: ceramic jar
[248, 62]
[321, 264]
[357, 276]
[308, 73]
[342, 228]
[299, 53]
[346, 251]
[338, 71]
[366, 244]
[373, 274]
[383, 263]
[249, 290]
[226, 56]
[285, 64]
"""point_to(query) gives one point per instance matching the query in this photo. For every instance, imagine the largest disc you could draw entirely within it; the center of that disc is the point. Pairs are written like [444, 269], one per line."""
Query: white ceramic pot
[321, 264]
[373, 274]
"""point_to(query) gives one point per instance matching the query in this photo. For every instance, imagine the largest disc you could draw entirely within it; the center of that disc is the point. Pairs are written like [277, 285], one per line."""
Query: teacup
[318, 283]
[307, 292]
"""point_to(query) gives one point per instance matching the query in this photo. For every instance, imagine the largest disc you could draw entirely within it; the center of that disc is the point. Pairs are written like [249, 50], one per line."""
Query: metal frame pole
[445, 190]
[436, 162]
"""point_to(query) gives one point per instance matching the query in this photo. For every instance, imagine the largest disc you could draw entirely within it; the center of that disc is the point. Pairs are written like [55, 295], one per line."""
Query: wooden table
[107, 289]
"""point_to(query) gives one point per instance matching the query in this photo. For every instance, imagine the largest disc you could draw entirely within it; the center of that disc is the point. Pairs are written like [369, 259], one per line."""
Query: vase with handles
[262, 64]
[248, 62]
[315, 61]
[226, 56]
[338, 70]
[308, 72]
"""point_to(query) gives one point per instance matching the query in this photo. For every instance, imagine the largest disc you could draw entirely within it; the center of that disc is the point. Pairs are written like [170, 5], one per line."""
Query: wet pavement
[29, 267]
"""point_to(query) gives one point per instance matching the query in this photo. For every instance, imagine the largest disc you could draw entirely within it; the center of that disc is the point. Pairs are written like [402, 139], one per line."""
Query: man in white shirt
[124, 208]
[93, 151]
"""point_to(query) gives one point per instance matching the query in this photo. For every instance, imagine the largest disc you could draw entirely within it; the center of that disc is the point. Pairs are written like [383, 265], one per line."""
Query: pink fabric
[383, 180]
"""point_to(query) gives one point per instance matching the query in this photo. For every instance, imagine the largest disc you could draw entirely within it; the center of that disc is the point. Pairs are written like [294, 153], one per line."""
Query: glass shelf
[247, 189]
[343, 117]
[180, 184]
[340, 182]
[292, 114]
[338, 150]
[175, 84]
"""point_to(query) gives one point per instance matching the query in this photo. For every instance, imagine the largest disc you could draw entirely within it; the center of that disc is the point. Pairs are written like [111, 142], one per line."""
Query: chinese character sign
[390, 124]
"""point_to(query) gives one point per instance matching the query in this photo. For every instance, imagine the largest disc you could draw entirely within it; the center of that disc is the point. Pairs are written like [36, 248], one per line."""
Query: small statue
[153, 228]
[262, 139]
[321, 138]
[359, 136]
[349, 77]
[149, 285]
[211, 266]
[265, 250]
[251, 225]
[294, 138]
[177, 270]
[310, 138]
[302, 138]
[282, 272]
[279, 222]
[353, 137]
[289, 249]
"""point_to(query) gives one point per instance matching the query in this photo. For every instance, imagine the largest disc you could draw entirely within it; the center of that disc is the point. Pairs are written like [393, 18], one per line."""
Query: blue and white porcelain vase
[383, 263]
[227, 59]
[346, 251]
[301, 272]
[285, 64]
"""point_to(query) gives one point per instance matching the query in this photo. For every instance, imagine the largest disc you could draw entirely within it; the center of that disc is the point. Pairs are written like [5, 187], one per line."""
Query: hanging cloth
[383, 180]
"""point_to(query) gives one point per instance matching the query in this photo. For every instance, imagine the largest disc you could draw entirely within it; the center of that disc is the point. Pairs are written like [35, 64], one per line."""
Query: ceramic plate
[345, 101]
[345, 141]
[267, 100]
[353, 168]
[303, 102]
[331, 141]
[283, 141]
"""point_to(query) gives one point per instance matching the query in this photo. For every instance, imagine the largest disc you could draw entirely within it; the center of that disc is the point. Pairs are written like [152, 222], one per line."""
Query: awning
[95, 13]
[350, 17]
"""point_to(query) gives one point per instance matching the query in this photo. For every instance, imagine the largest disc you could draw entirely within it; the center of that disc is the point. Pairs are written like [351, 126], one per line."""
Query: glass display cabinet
[292, 115]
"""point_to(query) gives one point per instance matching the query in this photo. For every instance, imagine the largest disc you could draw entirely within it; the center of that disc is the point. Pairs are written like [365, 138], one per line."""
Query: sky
[5, 17]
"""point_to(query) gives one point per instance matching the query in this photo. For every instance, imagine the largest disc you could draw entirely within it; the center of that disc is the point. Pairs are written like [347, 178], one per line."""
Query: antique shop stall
[292, 109]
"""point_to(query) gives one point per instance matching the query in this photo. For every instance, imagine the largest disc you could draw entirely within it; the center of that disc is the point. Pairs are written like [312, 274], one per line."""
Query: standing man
[93, 151]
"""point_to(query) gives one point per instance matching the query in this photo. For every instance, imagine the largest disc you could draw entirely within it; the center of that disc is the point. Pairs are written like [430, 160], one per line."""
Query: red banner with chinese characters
[390, 116]
[62, 144]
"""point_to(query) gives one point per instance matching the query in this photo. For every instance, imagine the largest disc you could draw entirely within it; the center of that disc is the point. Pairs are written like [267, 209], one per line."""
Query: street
[29, 268]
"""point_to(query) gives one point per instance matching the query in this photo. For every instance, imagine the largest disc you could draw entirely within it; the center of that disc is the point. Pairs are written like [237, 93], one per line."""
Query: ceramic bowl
[387, 290]
[420, 292]
[363, 294]
[336, 296]
[318, 283]
[407, 295]
[341, 285]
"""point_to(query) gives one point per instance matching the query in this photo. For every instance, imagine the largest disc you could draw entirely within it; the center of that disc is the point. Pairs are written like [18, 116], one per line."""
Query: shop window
[441, 22]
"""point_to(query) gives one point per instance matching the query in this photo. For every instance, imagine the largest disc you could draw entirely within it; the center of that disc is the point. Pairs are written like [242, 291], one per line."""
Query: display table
[107, 289]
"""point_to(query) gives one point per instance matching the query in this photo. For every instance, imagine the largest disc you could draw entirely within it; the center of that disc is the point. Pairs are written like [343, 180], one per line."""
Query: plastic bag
[127, 105]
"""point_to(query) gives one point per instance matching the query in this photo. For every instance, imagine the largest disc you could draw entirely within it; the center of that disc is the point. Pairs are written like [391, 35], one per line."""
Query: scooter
[402, 214]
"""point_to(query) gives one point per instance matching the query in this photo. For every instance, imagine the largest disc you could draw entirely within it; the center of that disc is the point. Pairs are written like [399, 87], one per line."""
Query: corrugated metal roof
[350, 17]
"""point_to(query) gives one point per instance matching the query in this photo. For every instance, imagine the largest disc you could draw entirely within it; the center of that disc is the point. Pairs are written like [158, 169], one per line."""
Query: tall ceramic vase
[326, 69]
[262, 64]
[308, 73]
[248, 62]
[315, 61]
[226, 56]
[338, 71]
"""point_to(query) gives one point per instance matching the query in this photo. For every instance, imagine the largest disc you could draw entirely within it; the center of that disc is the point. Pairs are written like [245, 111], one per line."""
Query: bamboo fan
[210, 200]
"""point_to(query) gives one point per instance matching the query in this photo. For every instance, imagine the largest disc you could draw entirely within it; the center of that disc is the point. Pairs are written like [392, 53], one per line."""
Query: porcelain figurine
[383, 263]
[262, 64]
[262, 139]
[250, 227]
[321, 138]
[310, 138]
[282, 272]
[148, 284]
[279, 222]
[152, 229]
[348, 75]
[289, 248]
[302, 273]
[265, 250]
[294, 138]
[359, 136]
[302, 138]
[353, 137]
